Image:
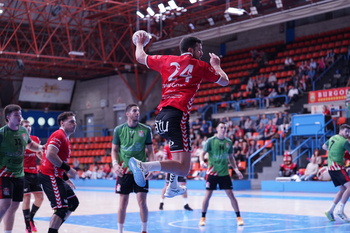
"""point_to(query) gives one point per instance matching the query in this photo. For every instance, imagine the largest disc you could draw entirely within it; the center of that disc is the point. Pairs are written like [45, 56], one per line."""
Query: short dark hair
[189, 42]
[130, 106]
[64, 116]
[11, 108]
[344, 126]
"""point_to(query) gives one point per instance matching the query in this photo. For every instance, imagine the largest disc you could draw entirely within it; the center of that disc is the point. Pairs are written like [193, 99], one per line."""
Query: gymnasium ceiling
[37, 36]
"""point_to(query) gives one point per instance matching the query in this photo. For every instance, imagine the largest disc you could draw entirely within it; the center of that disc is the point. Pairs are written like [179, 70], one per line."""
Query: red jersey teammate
[31, 182]
[53, 177]
[181, 79]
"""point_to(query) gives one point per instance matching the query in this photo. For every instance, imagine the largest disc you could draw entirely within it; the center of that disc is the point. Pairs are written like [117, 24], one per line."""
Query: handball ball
[134, 38]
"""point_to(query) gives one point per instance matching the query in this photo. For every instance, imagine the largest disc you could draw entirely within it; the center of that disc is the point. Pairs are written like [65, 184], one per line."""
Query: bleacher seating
[239, 64]
[89, 150]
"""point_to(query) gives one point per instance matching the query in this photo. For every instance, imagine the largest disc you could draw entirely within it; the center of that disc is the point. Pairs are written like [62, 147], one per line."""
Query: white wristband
[114, 162]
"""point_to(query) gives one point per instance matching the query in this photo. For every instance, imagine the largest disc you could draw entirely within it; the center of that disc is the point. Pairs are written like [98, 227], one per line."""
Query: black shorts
[181, 179]
[127, 185]
[11, 188]
[31, 183]
[224, 182]
[57, 191]
[173, 125]
[339, 177]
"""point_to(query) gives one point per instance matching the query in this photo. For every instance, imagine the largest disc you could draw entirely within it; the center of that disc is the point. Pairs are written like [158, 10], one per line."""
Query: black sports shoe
[187, 207]
[161, 206]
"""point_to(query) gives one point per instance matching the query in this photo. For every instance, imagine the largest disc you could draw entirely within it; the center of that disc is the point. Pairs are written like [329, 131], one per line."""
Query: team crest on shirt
[227, 145]
[141, 134]
[25, 137]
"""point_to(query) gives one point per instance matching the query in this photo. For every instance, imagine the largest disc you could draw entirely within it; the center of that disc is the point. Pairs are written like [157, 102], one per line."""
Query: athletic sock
[120, 227]
[51, 230]
[238, 214]
[33, 211]
[203, 214]
[26, 214]
[144, 226]
[185, 201]
[341, 207]
[151, 166]
[173, 181]
[331, 210]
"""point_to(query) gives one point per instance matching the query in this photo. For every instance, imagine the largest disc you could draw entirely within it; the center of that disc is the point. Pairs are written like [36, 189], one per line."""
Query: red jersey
[59, 140]
[182, 76]
[30, 158]
[167, 152]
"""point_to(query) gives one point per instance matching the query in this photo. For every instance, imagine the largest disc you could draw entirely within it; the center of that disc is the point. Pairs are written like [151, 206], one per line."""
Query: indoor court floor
[262, 212]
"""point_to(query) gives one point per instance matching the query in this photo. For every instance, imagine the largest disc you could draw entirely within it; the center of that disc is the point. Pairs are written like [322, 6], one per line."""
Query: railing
[324, 72]
[286, 99]
[251, 165]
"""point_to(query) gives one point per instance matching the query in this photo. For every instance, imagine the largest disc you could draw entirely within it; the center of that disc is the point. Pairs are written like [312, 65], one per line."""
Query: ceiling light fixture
[279, 3]
[235, 11]
[211, 21]
[172, 4]
[76, 53]
[161, 8]
[253, 10]
[150, 11]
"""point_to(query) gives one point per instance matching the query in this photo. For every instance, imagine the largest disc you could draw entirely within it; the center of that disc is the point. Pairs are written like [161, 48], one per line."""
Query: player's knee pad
[73, 203]
[61, 212]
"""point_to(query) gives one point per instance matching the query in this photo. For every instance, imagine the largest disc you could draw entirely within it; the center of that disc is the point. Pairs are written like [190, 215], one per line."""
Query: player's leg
[205, 205]
[6, 196]
[225, 183]
[162, 197]
[9, 217]
[26, 210]
[123, 204]
[17, 197]
[142, 201]
[182, 182]
[344, 199]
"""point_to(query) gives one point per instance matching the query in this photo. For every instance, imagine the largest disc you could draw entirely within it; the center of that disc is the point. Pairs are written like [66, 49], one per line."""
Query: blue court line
[222, 194]
[176, 221]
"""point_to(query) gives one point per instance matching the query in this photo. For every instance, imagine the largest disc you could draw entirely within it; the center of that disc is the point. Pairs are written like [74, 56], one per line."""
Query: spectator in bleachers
[336, 78]
[264, 119]
[204, 127]
[325, 110]
[210, 131]
[253, 146]
[257, 120]
[310, 171]
[330, 57]
[311, 74]
[272, 78]
[286, 121]
[241, 122]
[250, 84]
[282, 87]
[270, 99]
[280, 119]
[317, 157]
[76, 164]
[239, 133]
[261, 81]
[293, 94]
[248, 125]
[196, 125]
[313, 64]
[270, 131]
[321, 65]
[260, 129]
[288, 63]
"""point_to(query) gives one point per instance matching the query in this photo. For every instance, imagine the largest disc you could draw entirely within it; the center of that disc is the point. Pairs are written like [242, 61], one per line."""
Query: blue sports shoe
[136, 168]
